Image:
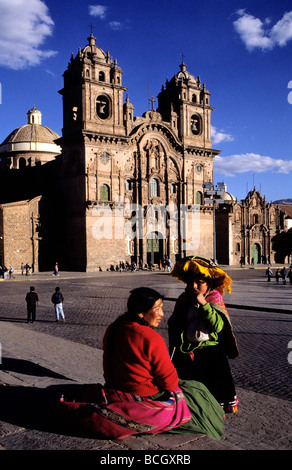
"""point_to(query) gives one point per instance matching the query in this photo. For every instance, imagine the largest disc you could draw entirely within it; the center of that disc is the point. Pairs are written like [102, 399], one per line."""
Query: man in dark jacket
[32, 300]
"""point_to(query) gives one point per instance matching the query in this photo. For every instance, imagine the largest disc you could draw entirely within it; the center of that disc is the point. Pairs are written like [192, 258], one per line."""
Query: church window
[104, 192]
[255, 218]
[199, 198]
[195, 124]
[101, 77]
[128, 185]
[194, 99]
[237, 248]
[154, 187]
[87, 73]
[21, 163]
[172, 188]
[102, 107]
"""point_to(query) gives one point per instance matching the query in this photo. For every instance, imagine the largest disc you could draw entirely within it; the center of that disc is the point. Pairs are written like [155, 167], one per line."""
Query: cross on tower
[182, 56]
[153, 101]
[91, 27]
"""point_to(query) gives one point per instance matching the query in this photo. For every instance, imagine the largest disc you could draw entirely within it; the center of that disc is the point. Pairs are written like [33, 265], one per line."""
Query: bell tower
[92, 93]
[185, 97]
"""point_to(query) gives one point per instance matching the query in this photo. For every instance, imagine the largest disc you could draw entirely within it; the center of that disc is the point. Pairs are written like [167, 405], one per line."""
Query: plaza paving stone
[39, 360]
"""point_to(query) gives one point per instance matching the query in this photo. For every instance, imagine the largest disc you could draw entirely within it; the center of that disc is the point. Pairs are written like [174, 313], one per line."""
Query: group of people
[151, 389]
[32, 300]
[4, 272]
[164, 265]
[26, 268]
[281, 273]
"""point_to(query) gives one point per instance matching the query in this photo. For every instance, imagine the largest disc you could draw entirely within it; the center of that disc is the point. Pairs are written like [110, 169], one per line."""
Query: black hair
[142, 299]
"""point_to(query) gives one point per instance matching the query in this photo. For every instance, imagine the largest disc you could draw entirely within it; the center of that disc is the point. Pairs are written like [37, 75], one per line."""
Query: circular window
[103, 107]
[105, 157]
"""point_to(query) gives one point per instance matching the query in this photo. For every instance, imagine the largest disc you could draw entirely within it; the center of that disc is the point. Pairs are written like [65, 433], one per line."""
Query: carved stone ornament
[104, 158]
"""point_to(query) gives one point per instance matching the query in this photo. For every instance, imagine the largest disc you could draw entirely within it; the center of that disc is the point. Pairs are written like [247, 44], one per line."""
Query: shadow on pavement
[38, 409]
[29, 368]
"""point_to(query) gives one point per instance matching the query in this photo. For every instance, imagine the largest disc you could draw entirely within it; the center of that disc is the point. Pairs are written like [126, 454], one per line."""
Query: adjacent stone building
[246, 231]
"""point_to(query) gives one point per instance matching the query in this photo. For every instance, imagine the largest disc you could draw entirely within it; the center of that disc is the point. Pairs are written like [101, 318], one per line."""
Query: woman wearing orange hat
[201, 338]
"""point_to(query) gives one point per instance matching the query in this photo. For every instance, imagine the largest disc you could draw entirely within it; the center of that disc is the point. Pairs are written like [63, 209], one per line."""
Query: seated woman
[200, 330]
[142, 393]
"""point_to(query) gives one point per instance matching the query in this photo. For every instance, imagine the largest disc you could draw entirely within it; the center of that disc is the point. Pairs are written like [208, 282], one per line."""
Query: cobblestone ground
[94, 301]
[262, 321]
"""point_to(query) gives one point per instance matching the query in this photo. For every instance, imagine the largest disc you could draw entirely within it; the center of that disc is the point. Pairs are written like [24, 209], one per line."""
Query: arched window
[101, 77]
[153, 188]
[196, 126]
[104, 192]
[21, 163]
[172, 188]
[194, 98]
[127, 185]
[199, 198]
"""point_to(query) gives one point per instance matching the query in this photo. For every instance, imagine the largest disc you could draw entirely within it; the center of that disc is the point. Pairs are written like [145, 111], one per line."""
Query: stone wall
[20, 220]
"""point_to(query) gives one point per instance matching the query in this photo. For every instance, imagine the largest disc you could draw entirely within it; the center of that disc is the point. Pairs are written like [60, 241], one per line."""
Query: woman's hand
[201, 299]
[196, 290]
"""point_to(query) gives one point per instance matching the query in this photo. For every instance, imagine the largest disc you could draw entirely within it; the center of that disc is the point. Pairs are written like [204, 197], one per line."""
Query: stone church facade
[114, 187]
[131, 188]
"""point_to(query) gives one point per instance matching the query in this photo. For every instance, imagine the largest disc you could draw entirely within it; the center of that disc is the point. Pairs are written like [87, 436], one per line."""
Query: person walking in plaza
[56, 270]
[283, 275]
[269, 274]
[201, 337]
[289, 275]
[58, 299]
[278, 276]
[32, 300]
[11, 272]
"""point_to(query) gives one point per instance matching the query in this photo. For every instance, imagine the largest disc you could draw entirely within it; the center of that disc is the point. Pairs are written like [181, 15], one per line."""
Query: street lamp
[213, 197]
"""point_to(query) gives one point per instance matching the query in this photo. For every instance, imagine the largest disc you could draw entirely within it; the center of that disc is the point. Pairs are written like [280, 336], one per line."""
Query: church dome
[92, 49]
[32, 142]
[185, 75]
[228, 197]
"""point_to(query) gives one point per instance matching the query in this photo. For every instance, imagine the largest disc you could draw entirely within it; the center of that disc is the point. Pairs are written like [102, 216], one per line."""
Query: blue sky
[241, 49]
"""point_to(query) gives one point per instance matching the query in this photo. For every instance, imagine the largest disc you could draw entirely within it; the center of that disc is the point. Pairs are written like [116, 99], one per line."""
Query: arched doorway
[154, 247]
[256, 253]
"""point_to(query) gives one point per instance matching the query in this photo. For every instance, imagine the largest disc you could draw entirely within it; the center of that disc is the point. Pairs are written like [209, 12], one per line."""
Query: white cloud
[282, 31]
[24, 27]
[220, 136]
[98, 10]
[116, 25]
[258, 34]
[243, 163]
